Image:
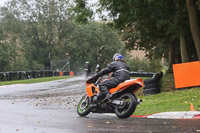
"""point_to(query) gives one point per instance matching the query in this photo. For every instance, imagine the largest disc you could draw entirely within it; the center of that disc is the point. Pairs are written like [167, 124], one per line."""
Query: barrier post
[61, 73]
[71, 73]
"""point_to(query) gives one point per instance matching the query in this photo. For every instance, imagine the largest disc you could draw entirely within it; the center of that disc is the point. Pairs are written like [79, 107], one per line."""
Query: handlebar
[98, 80]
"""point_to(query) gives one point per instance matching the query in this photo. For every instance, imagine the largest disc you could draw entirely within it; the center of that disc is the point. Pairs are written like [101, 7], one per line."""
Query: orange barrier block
[71, 73]
[187, 74]
[61, 73]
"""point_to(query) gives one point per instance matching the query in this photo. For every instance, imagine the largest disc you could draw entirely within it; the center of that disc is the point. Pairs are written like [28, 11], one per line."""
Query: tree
[11, 28]
[194, 24]
[45, 27]
[93, 42]
[157, 27]
[83, 13]
[33, 30]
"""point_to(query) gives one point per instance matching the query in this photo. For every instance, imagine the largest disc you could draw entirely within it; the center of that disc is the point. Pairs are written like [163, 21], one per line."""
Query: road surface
[50, 107]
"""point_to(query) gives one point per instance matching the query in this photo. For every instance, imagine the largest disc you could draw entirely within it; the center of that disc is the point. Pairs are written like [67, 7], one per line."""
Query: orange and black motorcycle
[123, 101]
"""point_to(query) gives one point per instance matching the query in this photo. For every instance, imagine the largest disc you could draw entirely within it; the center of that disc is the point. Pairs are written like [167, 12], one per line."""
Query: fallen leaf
[90, 126]
[107, 122]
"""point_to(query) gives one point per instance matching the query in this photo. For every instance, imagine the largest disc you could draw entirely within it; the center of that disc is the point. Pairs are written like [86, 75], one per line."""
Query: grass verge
[30, 81]
[169, 101]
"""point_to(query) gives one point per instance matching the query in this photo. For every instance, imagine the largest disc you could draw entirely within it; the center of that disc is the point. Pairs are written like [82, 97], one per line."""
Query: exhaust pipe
[139, 101]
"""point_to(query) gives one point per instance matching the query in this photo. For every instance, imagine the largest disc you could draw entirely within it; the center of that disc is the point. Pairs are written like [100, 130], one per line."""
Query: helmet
[87, 62]
[118, 56]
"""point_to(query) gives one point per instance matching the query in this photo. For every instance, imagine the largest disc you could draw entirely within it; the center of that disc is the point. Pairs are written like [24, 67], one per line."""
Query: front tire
[83, 108]
[128, 107]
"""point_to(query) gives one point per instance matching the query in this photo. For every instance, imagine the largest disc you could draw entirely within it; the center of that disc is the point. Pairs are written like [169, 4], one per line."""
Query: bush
[167, 83]
[146, 65]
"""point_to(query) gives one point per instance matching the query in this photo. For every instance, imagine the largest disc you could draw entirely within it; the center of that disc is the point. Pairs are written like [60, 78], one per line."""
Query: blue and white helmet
[118, 56]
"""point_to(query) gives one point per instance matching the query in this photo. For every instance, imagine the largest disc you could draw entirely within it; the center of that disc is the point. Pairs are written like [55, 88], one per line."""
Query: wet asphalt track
[50, 107]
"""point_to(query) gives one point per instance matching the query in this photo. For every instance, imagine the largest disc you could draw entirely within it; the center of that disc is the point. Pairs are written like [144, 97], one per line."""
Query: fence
[20, 75]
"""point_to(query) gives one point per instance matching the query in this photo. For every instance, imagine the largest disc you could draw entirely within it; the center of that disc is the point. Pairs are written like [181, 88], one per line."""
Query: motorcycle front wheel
[83, 108]
[128, 107]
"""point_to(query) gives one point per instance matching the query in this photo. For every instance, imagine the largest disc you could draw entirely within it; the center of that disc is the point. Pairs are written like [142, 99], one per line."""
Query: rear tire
[83, 107]
[129, 106]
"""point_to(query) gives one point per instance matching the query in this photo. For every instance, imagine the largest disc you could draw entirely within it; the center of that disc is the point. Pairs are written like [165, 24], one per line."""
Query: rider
[120, 73]
[98, 68]
[87, 68]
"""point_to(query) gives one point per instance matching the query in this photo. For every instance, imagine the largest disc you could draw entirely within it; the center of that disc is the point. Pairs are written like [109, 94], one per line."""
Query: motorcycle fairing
[127, 84]
[91, 90]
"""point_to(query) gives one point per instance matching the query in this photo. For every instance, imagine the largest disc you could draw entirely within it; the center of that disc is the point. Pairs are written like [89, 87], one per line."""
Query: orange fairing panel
[91, 90]
[126, 84]
[187, 74]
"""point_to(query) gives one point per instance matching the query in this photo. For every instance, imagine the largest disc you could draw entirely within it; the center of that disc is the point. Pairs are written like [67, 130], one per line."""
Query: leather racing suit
[120, 73]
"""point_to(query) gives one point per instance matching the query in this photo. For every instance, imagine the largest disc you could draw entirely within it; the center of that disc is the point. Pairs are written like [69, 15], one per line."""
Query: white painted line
[175, 115]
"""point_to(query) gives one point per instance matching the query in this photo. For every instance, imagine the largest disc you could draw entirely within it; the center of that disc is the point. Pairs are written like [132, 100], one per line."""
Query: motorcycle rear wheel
[83, 107]
[129, 106]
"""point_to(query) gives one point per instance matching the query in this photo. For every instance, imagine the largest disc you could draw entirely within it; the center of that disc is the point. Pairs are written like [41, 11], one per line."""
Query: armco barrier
[66, 73]
[21, 75]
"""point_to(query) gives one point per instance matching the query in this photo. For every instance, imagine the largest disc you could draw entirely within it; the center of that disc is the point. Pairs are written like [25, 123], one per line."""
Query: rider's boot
[105, 94]
[107, 98]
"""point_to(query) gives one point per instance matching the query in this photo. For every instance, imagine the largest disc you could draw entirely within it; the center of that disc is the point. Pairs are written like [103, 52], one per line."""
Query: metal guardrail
[21, 75]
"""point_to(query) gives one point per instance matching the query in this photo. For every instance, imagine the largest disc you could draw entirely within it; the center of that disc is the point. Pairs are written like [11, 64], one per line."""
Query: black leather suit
[120, 73]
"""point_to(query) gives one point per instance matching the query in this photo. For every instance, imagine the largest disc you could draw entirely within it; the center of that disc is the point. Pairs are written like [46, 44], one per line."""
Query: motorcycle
[123, 101]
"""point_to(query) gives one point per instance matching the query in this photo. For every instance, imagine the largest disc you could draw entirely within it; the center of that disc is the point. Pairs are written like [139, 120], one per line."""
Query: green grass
[169, 101]
[29, 81]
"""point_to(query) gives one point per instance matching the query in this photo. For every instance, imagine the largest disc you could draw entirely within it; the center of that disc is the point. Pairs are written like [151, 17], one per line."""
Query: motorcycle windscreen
[92, 90]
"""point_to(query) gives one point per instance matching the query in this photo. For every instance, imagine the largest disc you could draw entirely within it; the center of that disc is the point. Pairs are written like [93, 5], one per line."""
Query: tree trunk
[194, 27]
[171, 56]
[184, 50]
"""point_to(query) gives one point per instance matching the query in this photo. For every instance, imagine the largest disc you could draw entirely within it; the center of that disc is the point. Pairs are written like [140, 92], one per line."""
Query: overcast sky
[90, 1]
[2, 2]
